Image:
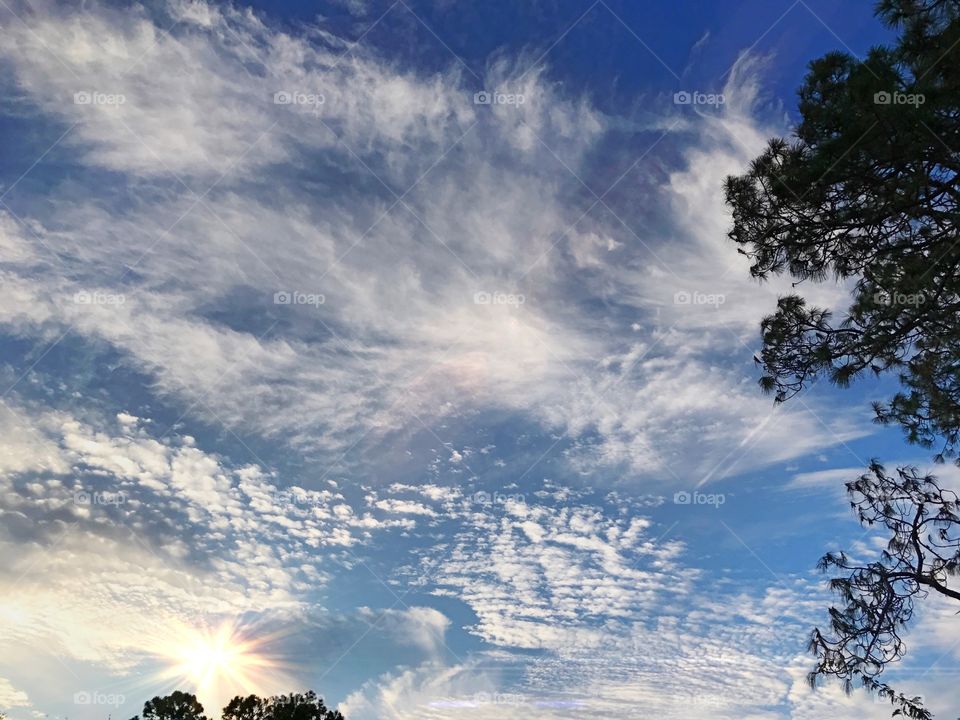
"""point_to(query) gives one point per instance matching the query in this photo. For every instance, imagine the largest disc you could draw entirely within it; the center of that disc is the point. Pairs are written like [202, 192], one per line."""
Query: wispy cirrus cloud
[408, 253]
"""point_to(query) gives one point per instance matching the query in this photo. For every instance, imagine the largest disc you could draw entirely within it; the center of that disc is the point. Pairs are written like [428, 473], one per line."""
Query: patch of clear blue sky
[615, 50]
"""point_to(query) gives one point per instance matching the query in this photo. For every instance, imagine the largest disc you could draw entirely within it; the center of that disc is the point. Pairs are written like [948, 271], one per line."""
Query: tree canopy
[866, 192]
[177, 705]
[923, 523]
[295, 706]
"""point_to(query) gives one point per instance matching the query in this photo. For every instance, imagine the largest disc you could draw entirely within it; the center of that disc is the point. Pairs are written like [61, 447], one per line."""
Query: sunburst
[220, 663]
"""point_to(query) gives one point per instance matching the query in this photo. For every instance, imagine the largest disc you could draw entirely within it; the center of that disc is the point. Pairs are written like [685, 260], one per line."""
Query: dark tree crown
[867, 193]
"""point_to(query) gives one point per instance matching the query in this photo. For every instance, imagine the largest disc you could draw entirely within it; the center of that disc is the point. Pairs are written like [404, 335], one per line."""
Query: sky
[396, 350]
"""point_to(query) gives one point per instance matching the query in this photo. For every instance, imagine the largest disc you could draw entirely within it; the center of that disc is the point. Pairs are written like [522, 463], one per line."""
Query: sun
[208, 658]
[219, 663]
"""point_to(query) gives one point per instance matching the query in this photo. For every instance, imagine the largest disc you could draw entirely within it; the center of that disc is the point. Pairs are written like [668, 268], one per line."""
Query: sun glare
[219, 664]
[206, 659]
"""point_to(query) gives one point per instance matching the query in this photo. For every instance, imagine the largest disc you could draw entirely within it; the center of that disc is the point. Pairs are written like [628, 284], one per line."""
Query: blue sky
[444, 409]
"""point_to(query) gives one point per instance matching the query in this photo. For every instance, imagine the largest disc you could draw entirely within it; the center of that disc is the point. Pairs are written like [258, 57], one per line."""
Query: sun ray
[221, 662]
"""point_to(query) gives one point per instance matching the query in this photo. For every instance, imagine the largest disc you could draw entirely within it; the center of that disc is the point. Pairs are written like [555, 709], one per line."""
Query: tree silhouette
[867, 191]
[250, 707]
[295, 706]
[177, 705]
[923, 521]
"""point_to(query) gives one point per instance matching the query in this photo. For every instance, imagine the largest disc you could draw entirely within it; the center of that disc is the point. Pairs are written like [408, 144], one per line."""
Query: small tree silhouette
[178, 705]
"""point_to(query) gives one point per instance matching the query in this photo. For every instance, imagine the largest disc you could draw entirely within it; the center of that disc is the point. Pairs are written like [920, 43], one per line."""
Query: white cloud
[129, 524]
[11, 697]
[399, 330]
